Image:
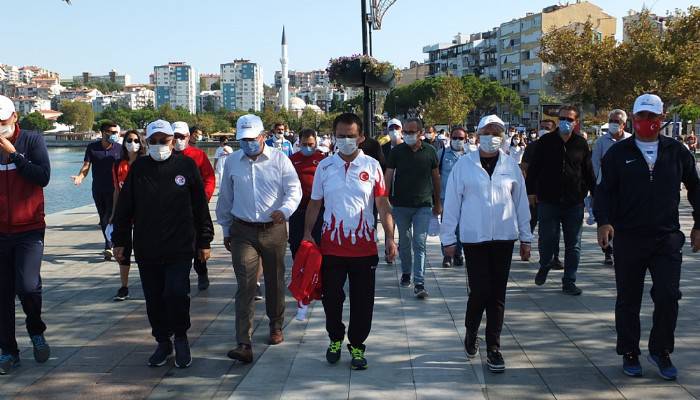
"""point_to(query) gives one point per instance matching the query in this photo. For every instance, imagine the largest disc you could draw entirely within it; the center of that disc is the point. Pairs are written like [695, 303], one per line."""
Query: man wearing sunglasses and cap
[636, 205]
[163, 197]
[24, 172]
[183, 145]
[259, 191]
[559, 177]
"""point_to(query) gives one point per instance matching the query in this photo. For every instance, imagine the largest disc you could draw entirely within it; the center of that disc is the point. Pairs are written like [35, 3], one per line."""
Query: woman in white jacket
[486, 197]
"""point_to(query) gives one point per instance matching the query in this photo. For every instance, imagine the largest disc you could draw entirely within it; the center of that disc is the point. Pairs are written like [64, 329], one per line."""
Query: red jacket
[205, 169]
[306, 168]
[22, 183]
[306, 273]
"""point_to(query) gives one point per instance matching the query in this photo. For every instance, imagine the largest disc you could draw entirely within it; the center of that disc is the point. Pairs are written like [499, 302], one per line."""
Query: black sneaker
[458, 261]
[631, 365]
[541, 276]
[203, 281]
[122, 294]
[359, 362]
[608, 259]
[42, 351]
[447, 262]
[666, 368]
[405, 280]
[183, 356]
[161, 355]
[7, 363]
[333, 352]
[556, 264]
[258, 293]
[420, 292]
[571, 289]
[471, 345]
[495, 362]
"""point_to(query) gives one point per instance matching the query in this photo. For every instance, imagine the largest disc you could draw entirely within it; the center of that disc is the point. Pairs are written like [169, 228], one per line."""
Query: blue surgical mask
[250, 148]
[307, 150]
[566, 127]
[114, 138]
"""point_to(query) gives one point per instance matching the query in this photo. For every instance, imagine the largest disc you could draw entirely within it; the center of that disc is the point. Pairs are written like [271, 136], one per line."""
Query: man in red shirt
[347, 184]
[184, 146]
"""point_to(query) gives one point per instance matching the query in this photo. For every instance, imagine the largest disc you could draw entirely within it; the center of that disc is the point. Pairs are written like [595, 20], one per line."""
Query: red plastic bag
[306, 273]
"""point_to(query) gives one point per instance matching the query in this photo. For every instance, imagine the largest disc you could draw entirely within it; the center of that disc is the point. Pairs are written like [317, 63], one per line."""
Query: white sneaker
[301, 313]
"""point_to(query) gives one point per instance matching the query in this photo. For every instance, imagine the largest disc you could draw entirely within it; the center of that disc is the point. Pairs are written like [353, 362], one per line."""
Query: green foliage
[104, 87]
[35, 122]
[451, 103]
[78, 114]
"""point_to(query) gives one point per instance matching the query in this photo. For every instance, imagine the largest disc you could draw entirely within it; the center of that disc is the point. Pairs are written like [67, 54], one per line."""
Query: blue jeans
[413, 232]
[571, 219]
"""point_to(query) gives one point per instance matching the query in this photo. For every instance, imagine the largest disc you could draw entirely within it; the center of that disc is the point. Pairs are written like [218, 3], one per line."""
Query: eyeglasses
[132, 140]
[161, 141]
[566, 119]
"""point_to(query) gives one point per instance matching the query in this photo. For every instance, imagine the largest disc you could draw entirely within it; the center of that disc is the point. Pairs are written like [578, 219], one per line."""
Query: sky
[132, 36]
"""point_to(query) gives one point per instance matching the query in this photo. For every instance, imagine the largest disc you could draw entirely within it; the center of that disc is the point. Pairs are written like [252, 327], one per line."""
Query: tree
[35, 122]
[451, 103]
[78, 114]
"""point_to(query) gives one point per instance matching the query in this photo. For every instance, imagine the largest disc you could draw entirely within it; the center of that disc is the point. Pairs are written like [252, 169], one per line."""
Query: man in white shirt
[259, 192]
[222, 152]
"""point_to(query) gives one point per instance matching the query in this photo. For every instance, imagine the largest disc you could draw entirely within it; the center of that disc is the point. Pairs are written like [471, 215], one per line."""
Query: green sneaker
[358, 358]
[333, 352]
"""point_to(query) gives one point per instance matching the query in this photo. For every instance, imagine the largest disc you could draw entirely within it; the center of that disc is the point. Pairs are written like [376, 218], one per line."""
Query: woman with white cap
[487, 199]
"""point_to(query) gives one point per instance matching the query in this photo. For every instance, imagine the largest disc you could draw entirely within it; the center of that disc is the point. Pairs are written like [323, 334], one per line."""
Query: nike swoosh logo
[629, 161]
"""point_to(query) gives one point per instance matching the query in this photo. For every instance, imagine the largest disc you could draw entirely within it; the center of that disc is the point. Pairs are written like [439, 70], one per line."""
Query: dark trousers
[20, 265]
[662, 256]
[104, 201]
[488, 266]
[361, 272]
[166, 288]
[533, 217]
[296, 229]
[550, 216]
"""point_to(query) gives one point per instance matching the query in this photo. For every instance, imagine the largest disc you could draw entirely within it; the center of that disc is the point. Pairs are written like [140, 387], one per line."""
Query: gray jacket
[600, 147]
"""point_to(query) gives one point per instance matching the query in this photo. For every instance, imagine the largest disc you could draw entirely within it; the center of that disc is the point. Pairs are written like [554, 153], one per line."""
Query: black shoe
[258, 293]
[471, 345]
[541, 276]
[608, 259]
[571, 289]
[183, 356]
[420, 291]
[359, 362]
[161, 355]
[122, 294]
[7, 363]
[556, 264]
[447, 262]
[458, 261]
[333, 352]
[666, 368]
[631, 365]
[386, 259]
[405, 280]
[108, 254]
[203, 281]
[495, 362]
[42, 351]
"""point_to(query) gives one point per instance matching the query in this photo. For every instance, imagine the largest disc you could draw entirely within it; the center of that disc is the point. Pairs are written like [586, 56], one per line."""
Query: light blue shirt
[446, 163]
[285, 146]
[600, 147]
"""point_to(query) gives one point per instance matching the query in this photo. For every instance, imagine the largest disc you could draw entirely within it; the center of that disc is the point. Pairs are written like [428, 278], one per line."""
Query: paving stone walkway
[556, 347]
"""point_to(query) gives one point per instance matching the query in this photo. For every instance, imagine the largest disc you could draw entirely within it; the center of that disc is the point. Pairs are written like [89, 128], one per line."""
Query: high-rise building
[242, 86]
[176, 85]
[510, 53]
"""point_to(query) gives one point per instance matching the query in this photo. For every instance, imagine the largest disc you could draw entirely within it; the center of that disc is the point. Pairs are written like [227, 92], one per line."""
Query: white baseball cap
[491, 119]
[649, 102]
[249, 126]
[159, 126]
[181, 128]
[394, 122]
[7, 107]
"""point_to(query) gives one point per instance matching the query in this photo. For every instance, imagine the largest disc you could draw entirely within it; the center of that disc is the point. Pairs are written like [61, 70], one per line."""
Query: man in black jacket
[637, 202]
[164, 198]
[559, 177]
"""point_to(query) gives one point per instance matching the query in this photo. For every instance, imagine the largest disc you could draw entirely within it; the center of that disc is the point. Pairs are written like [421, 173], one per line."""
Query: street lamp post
[367, 114]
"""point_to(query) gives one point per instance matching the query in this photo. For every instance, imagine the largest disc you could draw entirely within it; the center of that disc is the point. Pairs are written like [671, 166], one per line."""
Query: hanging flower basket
[348, 71]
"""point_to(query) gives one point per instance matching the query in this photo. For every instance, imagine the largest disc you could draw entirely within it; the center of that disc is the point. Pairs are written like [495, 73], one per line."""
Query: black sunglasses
[162, 141]
[566, 119]
[132, 140]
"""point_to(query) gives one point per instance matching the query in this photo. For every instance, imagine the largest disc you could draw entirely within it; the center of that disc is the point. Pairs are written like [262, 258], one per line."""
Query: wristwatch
[15, 156]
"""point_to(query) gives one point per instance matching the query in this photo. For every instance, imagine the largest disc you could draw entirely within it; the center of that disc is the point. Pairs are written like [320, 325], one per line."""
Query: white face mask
[411, 140]
[613, 128]
[516, 141]
[133, 147]
[7, 131]
[180, 144]
[395, 135]
[457, 145]
[199, 138]
[159, 152]
[346, 146]
[542, 132]
[490, 144]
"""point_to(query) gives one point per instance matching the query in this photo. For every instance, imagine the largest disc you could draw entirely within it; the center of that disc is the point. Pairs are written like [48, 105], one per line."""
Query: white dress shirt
[251, 190]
